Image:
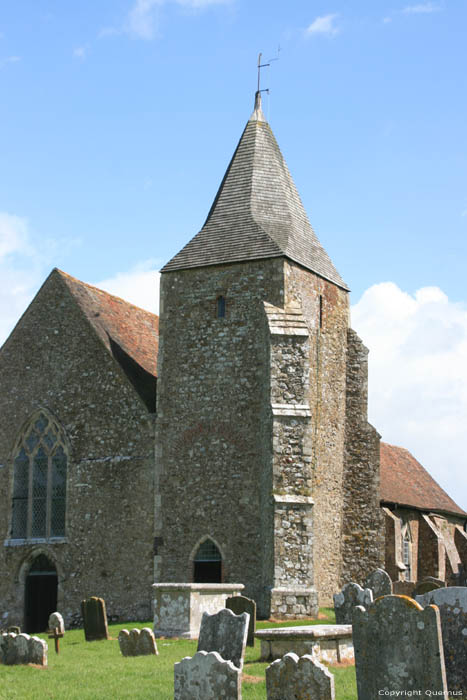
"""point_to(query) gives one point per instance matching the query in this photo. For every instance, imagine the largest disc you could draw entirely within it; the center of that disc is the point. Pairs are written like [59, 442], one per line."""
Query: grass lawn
[97, 670]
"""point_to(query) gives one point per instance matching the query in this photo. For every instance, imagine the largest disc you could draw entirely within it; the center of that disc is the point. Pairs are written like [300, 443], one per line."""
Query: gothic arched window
[407, 550]
[207, 563]
[39, 481]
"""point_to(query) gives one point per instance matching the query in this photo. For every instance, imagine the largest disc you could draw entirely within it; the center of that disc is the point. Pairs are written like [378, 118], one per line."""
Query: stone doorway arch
[40, 594]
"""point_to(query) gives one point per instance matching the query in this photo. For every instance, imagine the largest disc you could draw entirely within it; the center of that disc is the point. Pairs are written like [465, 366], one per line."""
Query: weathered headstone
[452, 605]
[22, 649]
[94, 619]
[344, 602]
[56, 622]
[225, 633]
[422, 587]
[398, 648]
[299, 677]
[37, 651]
[125, 642]
[206, 676]
[238, 604]
[379, 582]
[137, 642]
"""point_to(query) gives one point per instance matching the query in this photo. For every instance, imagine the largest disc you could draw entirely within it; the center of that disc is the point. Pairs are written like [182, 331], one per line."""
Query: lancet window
[39, 481]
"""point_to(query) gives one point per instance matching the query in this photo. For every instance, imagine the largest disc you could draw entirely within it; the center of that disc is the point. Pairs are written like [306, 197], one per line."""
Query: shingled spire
[257, 212]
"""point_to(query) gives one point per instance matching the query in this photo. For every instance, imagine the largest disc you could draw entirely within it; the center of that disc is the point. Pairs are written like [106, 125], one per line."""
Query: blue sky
[118, 119]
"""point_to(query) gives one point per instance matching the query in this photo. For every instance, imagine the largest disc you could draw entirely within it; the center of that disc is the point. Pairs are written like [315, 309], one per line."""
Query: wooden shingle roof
[257, 212]
[406, 483]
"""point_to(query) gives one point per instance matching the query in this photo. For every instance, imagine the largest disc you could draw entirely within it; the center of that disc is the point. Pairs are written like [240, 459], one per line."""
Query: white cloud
[139, 285]
[9, 59]
[418, 376]
[386, 20]
[21, 270]
[423, 8]
[323, 25]
[80, 52]
[143, 18]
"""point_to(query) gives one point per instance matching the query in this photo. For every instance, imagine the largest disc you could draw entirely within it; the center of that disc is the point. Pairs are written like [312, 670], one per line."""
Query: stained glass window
[39, 483]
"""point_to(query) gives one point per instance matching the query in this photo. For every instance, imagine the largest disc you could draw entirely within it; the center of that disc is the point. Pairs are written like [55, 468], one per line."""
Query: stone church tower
[262, 441]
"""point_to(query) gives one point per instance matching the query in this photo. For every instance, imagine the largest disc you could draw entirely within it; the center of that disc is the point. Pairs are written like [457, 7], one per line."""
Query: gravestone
[422, 587]
[238, 604]
[302, 677]
[206, 676]
[379, 582]
[225, 633]
[452, 605]
[94, 619]
[37, 651]
[344, 602]
[137, 642]
[398, 648]
[22, 649]
[56, 622]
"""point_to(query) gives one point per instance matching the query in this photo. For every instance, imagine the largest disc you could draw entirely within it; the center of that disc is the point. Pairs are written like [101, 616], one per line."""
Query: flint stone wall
[206, 676]
[452, 605]
[292, 677]
[55, 361]
[179, 607]
[363, 540]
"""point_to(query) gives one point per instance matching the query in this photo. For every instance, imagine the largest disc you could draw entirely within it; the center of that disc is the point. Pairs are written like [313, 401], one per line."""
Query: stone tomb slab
[398, 648]
[239, 604]
[329, 643]
[379, 582]
[345, 601]
[295, 677]
[206, 676]
[225, 633]
[179, 607]
[452, 605]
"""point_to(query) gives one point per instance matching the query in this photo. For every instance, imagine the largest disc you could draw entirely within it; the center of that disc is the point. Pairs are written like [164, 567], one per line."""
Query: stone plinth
[330, 643]
[179, 607]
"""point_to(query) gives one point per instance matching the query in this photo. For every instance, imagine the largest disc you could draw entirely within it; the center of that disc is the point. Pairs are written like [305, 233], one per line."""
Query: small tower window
[220, 307]
[207, 563]
[407, 551]
[320, 311]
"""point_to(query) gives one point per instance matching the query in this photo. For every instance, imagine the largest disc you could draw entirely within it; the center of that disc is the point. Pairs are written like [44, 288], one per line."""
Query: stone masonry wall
[214, 430]
[325, 308]
[363, 524]
[54, 361]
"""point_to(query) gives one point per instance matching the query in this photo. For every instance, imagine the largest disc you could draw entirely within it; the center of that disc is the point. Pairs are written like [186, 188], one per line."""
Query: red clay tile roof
[406, 482]
[135, 330]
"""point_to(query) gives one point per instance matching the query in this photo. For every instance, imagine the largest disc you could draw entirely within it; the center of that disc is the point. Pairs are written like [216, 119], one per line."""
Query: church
[226, 440]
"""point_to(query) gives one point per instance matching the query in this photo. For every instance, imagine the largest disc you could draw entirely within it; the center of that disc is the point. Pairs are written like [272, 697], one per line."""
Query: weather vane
[265, 65]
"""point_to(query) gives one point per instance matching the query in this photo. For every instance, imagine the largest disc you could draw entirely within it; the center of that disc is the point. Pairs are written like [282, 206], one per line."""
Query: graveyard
[98, 670]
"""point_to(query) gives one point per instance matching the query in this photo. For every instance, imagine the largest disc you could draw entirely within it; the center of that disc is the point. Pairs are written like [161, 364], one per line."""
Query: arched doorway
[40, 594]
[207, 564]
